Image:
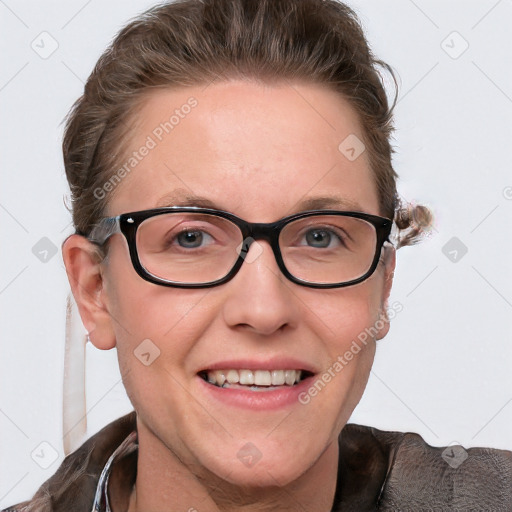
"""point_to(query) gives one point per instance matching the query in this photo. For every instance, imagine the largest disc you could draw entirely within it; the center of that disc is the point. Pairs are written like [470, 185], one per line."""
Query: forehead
[257, 150]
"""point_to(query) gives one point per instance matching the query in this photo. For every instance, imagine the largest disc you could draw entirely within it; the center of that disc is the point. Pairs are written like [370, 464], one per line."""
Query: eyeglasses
[192, 247]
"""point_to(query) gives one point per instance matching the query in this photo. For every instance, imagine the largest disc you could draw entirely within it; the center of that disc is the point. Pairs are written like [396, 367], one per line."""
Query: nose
[259, 297]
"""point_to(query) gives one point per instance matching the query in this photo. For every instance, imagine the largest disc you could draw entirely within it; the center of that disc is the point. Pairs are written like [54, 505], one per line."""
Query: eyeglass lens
[200, 248]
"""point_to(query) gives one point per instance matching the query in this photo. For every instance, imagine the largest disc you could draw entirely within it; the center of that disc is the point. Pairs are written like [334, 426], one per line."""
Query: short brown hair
[192, 42]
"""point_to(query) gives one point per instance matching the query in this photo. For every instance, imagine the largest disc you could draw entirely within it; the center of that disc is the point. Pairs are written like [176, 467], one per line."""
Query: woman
[233, 199]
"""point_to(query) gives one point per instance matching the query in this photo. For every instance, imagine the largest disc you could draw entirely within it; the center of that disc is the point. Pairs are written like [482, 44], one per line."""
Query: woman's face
[262, 153]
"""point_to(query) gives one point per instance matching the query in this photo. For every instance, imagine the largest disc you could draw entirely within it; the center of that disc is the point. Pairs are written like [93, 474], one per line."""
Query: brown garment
[378, 471]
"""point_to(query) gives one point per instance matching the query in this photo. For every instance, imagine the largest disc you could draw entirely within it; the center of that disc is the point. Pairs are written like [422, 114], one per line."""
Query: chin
[278, 472]
[264, 463]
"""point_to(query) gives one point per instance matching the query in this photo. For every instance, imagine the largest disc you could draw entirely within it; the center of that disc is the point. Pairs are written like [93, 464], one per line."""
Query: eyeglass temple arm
[105, 229]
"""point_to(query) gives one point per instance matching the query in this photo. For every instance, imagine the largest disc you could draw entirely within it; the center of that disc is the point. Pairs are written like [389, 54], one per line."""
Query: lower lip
[274, 399]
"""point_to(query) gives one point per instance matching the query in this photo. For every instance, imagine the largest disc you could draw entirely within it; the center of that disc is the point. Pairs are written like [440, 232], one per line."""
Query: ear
[85, 274]
[388, 259]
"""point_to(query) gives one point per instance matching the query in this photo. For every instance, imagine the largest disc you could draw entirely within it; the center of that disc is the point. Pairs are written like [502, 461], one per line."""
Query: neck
[164, 483]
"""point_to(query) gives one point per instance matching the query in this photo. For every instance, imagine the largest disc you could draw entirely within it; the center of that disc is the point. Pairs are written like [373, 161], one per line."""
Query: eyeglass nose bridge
[261, 231]
[268, 232]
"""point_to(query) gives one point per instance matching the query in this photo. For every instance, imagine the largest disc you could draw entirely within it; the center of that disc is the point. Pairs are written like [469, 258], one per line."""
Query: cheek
[346, 314]
[348, 320]
[157, 330]
[147, 318]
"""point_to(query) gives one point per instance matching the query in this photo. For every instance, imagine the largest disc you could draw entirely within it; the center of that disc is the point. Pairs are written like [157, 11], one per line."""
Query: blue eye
[318, 238]
[322, 238]
[192, 239]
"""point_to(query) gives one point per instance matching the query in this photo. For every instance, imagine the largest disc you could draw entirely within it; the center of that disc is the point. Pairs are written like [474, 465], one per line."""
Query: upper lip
[282, 363]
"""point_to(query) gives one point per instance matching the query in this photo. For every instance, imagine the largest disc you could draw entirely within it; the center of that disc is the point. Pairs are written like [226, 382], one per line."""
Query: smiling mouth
[254, 380]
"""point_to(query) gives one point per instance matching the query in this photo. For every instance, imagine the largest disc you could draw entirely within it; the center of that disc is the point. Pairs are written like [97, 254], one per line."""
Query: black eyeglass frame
[128, 223]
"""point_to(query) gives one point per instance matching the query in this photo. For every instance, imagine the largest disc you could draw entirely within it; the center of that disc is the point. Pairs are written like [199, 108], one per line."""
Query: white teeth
[278, 378]
[262, 378]
[289, 377]
[232, 377]
[219, 376]
[254, 378]
[246, 377]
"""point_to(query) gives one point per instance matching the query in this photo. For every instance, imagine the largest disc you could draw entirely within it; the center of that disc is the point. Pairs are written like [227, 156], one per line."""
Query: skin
[241, 148]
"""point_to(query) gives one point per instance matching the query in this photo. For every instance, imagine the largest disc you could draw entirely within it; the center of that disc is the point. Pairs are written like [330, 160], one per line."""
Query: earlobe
[84, 271]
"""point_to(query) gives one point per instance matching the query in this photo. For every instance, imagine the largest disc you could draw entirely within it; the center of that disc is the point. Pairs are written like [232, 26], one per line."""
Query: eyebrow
[327, 202]
[181, 197]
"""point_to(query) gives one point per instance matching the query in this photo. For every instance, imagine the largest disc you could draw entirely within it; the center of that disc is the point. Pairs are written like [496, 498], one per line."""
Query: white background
[444, 369]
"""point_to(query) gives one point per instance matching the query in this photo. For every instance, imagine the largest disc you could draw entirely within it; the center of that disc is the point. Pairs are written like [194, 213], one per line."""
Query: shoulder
[378, 470]
[400, 471]
[73, 485]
